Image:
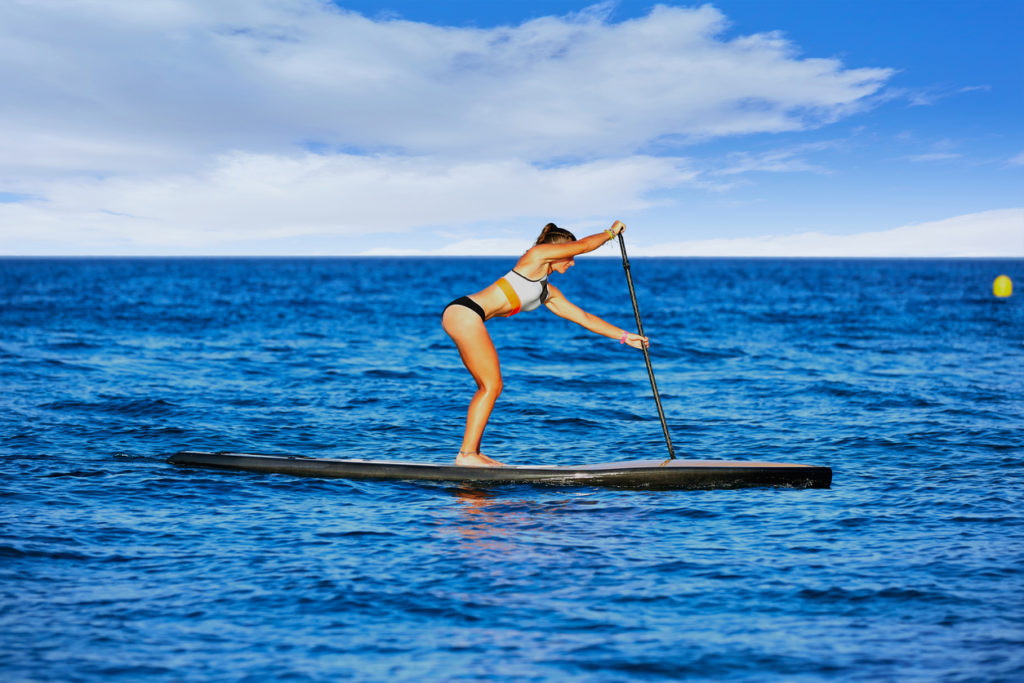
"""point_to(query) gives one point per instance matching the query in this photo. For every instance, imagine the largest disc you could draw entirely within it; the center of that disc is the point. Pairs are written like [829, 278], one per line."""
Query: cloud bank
[984, 234]
[182, 125]
[979, 235]
[246, 196]
[260, 74]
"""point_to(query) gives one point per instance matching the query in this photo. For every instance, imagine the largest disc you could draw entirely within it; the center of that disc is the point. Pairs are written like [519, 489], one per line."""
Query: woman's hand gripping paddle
[647, 354]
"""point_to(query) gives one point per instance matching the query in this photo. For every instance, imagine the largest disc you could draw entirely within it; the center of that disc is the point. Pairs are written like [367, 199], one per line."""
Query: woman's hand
[617, 227]
[635, 340]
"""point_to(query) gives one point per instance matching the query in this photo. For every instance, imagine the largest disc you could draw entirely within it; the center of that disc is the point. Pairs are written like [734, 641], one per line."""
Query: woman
[524, 288]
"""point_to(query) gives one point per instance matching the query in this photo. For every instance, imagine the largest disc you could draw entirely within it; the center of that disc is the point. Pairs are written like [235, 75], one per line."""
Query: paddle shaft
[647, 354]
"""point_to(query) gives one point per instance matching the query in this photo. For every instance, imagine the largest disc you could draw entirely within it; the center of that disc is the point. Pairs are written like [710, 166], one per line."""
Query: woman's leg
[470, 335]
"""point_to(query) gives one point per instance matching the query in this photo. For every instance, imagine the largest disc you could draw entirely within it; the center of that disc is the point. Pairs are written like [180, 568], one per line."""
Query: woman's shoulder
[532, 264]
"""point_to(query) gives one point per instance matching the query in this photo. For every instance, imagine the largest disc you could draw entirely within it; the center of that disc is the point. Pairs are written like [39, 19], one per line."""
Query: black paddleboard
[634, 474]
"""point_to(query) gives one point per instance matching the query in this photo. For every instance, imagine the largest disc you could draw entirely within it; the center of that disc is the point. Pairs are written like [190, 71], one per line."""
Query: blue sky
[739, 127]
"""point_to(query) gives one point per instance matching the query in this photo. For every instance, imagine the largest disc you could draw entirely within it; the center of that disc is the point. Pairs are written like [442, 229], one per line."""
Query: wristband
[622, 339]
[611, 235]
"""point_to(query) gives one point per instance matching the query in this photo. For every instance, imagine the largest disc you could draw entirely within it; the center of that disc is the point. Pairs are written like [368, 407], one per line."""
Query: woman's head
[552, 234]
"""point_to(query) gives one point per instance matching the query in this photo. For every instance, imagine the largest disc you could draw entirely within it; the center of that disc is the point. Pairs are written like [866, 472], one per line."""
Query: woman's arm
[563, 308]
[554, 252]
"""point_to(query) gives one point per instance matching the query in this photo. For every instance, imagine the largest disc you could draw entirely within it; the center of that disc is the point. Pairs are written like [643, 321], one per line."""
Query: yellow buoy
[1002, 287]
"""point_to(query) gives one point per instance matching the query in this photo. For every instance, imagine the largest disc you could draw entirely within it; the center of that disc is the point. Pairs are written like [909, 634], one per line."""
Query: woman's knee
[491, 387]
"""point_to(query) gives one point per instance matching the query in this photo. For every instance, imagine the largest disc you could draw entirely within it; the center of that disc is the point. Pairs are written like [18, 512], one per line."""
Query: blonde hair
[552, 234]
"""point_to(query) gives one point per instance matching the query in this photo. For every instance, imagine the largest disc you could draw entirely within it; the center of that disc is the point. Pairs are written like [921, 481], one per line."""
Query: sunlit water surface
[906, 377]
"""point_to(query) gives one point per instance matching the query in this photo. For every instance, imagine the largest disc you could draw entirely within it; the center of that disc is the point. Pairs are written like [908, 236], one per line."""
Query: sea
[906, 377]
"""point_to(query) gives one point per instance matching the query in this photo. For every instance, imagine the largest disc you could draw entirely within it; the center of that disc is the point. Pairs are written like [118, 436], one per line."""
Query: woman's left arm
[563, 308]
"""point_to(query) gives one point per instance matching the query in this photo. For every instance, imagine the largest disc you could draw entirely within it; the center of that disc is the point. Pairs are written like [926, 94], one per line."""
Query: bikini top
[523, 293]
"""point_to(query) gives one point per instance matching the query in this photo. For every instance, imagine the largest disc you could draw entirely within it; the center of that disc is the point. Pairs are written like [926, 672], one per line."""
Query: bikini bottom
[468, 303]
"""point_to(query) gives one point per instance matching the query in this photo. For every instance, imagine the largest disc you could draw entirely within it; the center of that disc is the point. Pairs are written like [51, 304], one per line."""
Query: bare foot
[476, 460]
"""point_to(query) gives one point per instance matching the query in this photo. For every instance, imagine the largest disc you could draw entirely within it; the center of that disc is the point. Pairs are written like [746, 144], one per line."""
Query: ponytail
[552, 234]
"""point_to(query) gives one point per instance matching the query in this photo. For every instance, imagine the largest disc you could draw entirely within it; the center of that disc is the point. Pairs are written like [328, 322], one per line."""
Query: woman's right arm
[554, 252]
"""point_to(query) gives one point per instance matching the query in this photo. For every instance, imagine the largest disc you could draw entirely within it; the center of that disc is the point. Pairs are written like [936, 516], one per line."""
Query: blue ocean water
[904, 376]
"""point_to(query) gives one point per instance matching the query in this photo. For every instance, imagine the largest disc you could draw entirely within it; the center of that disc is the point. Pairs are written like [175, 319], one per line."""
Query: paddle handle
[647, 354]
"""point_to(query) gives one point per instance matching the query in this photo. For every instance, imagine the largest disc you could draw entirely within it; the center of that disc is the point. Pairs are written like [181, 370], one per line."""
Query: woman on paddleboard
[523, 288]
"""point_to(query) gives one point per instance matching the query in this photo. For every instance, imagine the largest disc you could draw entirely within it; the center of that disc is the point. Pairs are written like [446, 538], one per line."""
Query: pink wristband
[622, 339]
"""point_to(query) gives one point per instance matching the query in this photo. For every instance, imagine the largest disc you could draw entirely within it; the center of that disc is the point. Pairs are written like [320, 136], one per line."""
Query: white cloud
[775, 161]
[466, 247]
[1018, 160]
[263, 75]
[159, 126]
[933, 156]
[246, 197]
[940, 150]
[986, 234]
[930, 96]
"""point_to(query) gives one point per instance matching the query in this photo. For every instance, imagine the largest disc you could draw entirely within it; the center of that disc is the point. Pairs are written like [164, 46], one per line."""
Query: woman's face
[563, 265]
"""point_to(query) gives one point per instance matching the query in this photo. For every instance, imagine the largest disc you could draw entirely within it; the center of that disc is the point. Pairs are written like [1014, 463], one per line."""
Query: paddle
[647, 354]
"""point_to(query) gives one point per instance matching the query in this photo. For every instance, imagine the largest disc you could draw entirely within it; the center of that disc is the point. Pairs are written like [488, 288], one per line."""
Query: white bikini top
[523, 293]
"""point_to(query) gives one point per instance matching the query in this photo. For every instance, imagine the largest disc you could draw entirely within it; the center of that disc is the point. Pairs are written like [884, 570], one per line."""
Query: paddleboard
[633, 474]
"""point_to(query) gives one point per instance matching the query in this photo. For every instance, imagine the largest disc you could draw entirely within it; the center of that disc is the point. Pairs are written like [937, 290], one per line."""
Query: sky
[886, 128]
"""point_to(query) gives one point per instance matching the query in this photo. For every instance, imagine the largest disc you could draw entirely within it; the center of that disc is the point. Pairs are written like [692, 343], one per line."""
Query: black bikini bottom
[468, 303]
